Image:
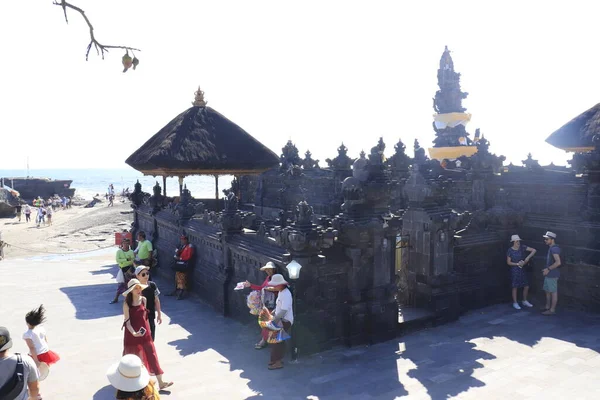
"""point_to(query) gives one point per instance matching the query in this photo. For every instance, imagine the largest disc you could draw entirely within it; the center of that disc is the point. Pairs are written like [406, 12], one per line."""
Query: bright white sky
[317, 72]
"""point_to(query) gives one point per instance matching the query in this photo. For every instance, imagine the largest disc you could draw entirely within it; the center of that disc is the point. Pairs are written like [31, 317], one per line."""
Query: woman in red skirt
[36, 338]
[138, 340]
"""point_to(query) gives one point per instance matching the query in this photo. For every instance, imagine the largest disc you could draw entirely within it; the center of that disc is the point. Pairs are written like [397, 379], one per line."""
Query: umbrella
[576, 135]
[201, 141]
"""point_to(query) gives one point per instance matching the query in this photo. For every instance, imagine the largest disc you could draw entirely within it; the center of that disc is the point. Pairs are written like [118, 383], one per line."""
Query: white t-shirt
[38, 337]
[284, 302]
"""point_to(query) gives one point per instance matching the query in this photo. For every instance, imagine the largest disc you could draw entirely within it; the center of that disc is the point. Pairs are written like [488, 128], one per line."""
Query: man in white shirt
[8, 367]
[284, 314]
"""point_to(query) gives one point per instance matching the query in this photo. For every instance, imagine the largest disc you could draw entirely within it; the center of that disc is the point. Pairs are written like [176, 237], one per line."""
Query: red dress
[142, 346]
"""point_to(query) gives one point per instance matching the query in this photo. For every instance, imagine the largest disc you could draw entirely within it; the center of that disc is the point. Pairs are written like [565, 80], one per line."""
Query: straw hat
[132, 284]
[128, 375]
[44, 371]
[277, 280]
[268, 265]
[514, 238]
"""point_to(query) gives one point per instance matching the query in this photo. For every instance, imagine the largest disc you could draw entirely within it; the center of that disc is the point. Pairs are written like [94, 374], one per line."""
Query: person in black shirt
[151, 294]
[18, 209]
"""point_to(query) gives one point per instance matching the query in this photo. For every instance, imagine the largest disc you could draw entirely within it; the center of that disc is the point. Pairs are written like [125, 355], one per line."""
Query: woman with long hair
[137, 339]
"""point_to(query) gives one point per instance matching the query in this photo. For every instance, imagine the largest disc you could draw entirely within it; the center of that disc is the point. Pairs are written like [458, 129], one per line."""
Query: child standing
[36, 338]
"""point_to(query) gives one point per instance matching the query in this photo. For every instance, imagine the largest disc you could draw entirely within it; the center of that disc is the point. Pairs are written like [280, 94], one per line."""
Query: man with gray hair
[551, 273]
[18, 372]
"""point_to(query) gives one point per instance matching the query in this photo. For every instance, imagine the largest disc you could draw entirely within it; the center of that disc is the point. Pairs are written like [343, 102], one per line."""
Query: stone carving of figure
[289, 156]
[231, 202]
[304, 213]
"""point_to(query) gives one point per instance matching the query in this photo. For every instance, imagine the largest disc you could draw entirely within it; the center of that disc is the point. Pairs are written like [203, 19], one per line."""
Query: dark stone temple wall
[223, 259]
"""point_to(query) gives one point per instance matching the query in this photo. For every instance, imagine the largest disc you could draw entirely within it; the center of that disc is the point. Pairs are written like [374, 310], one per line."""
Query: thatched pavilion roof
[577, 134]
[201, 141]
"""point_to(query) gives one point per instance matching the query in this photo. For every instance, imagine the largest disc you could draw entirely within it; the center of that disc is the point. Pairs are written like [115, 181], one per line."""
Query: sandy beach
[73, 230]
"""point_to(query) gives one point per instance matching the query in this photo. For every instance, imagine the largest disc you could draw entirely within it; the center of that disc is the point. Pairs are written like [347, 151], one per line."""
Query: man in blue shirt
[551, 273]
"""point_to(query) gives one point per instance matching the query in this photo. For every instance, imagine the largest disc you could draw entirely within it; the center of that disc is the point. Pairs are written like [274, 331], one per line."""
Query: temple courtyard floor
[492, 353]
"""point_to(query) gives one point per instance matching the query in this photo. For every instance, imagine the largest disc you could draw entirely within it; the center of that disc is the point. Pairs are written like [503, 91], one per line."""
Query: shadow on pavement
[111, 269]
[91, 301]
[441, 362]
[106, 393]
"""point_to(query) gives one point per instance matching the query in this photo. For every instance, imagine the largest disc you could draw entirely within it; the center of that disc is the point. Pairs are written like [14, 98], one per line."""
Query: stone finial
[199, 98]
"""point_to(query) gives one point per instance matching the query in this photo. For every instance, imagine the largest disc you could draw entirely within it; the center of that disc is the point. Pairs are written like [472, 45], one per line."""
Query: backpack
[14, 385]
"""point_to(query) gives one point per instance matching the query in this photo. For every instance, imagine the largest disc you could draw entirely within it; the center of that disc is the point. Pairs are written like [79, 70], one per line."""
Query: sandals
[275, 365]
[165, 385]
[549, 312]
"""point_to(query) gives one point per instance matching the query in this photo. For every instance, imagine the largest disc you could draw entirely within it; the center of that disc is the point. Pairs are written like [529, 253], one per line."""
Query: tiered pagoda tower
[452, 140]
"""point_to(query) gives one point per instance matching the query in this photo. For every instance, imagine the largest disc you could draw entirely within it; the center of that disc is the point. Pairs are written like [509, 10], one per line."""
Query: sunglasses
[144, 274]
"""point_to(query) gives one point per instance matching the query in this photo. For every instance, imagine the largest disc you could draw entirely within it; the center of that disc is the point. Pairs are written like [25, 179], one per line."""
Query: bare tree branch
[100, 48]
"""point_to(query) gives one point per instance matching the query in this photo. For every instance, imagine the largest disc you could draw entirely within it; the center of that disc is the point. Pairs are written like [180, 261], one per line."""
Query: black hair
[36, 316]
[129, 299]
[142, 234]
[138, 394]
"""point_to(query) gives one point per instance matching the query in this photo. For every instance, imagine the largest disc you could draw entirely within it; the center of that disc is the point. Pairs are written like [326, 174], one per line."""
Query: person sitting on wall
[143, 252]
[125, 258]
[183, 256]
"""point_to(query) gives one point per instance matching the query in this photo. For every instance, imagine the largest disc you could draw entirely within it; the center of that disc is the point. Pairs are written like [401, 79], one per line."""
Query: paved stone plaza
[493, 353]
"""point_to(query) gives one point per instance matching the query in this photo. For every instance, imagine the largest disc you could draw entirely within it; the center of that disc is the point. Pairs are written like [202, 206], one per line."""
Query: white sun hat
[129, 374]
[277, 280]
[550, 235]
[132, 284]
[268, 265]
[514, 238]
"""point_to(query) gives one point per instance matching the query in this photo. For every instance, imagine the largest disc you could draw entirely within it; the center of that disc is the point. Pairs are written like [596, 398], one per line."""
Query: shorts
[551, 285]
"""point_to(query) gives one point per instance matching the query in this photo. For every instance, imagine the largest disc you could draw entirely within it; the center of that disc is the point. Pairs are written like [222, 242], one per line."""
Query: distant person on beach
[111, 198]
[41, 216]
[125, 258]
[143, 251]
[49, 214]
[27, 213]
[19, 210]
[13, 365]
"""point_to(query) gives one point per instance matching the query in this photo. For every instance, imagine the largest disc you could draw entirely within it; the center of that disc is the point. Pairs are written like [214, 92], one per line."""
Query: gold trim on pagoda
[450, 153]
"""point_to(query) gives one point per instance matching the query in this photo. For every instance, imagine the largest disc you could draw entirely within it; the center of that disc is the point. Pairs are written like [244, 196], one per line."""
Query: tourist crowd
[43, 210]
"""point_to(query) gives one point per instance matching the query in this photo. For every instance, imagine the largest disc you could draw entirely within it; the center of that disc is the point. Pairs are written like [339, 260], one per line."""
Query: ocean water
[89, 182]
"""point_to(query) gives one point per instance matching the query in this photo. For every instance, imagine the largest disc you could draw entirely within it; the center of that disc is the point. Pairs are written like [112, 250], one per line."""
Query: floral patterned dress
[518, 277]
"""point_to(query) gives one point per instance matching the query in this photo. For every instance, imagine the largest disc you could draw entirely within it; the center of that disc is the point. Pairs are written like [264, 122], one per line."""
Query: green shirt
[144, 249]
[125, 258]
